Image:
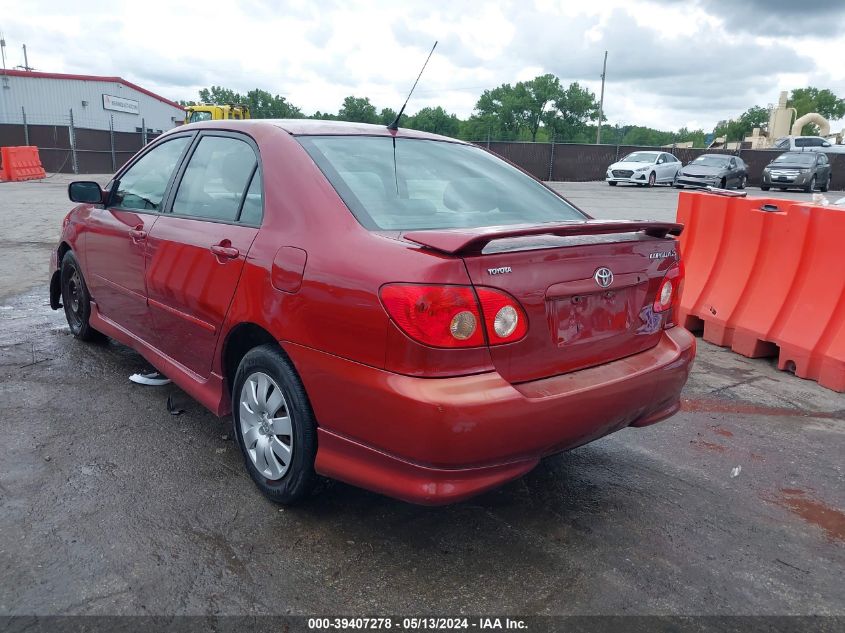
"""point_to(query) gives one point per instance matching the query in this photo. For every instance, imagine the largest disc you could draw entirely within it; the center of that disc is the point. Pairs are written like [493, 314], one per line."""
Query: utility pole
[601, 100]
[26, 65]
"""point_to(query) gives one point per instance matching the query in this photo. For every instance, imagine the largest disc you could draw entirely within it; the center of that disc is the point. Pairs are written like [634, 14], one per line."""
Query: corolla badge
[603, 277]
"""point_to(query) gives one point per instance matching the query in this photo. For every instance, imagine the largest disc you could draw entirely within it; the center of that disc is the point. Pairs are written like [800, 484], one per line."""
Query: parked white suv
[807, 144]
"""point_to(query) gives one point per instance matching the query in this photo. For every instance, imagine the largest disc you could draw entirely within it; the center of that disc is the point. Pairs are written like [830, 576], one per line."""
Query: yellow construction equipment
[210, 112]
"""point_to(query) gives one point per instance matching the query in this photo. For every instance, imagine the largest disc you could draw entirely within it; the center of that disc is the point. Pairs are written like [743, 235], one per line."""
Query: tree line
[541, 109]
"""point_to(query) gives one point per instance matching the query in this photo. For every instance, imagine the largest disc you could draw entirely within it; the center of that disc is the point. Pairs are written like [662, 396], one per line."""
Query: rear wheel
[764, 187]
[652, 178]
[76, 300]
[810, 185]
[612, 183]
[274, 425]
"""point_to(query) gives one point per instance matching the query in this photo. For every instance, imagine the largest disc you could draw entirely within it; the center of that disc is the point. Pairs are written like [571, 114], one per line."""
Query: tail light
[453, 316]
[669, 293]
[504, 318]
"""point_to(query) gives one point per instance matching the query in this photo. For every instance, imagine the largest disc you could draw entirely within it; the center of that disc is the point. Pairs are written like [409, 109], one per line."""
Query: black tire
[723, 183]
[741, 184]
[811, 186]
[764, 187]
[76, 300]
[826, 186]
[612, 183]
[652, 179]
[299, 478]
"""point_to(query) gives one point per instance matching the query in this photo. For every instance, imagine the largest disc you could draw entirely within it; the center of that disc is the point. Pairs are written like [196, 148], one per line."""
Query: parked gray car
[715, 170]
[804, 170]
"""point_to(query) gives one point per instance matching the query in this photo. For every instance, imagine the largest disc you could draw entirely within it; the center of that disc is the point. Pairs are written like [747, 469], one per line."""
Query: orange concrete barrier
[766, 277]
[20, 163]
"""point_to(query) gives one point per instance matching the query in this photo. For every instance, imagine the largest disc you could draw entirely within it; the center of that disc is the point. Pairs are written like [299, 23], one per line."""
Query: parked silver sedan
[713, 170]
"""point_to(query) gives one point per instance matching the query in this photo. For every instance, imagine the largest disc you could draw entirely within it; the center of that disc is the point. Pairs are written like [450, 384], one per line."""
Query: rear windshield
[425, 184]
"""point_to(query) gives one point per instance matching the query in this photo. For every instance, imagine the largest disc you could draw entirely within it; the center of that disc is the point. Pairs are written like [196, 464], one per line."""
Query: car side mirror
[85, 191]
[825, 144]
[660, 162]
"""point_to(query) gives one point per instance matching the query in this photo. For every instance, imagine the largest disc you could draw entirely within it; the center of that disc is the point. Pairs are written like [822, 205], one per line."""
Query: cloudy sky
[670, 63]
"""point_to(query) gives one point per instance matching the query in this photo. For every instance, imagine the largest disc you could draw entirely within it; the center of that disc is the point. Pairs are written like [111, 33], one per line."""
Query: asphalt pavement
[111, 505]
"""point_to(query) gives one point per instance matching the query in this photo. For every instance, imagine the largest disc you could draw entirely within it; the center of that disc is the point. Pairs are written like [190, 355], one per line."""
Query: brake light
[504, 318]
[669, 293]
[439, 316]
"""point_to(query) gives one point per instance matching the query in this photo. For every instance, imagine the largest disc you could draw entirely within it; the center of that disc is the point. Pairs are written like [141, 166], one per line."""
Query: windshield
[199, 116]
[712, 161]
[639, 157]
[796, 159]
[431, 185]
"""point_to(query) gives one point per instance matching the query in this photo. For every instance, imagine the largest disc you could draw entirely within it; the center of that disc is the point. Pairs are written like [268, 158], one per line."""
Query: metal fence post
[111, 143]
[25, 127]
[143, 133]
[72, 138]
[552, 158]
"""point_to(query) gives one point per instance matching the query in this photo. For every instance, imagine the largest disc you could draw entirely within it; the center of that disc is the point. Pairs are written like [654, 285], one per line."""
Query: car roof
[317, 127]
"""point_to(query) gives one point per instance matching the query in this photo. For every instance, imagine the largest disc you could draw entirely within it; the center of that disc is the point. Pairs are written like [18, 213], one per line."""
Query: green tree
[435, 120]
[531, 99]
[569, 119]
[741, 127]
[358, 109]
[218, 95]
[263, 105]
[500, 113]
[810, 99]
[387, 116]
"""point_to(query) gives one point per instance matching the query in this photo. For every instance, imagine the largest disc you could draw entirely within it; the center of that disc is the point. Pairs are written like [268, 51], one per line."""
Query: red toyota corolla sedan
[393, 309]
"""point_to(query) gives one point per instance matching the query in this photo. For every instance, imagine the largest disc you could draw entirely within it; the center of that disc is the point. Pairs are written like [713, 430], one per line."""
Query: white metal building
[92, 101]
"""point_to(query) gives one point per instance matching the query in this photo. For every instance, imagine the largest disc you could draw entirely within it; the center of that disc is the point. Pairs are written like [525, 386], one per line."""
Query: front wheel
[76, 299]
[652, 178]
[274, 425]
[826, 186]
[810, 185]
[741, 184]
[723, 183]
[612, 183]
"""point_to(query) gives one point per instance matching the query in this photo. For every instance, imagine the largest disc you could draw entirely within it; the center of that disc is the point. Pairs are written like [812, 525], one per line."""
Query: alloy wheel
[265, 425]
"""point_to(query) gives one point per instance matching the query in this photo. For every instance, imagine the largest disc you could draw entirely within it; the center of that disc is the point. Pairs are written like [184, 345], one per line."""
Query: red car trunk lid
[573, 320]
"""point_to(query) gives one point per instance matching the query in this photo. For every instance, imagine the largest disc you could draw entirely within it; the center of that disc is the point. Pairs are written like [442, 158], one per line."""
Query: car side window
[252, 211]
[782, 143]
[142, 186]
[215, 179]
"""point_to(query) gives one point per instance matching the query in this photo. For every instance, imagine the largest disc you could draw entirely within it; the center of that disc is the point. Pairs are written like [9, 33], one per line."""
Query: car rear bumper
[440, 440]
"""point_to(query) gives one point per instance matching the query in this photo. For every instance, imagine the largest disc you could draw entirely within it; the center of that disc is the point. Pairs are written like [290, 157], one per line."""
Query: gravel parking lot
[111, 505]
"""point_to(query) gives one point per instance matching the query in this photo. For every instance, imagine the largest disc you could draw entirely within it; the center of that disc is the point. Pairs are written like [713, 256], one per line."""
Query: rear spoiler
[459, 241]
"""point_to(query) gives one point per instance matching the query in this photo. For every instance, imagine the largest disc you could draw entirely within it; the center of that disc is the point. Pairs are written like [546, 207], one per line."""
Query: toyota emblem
[603, 277]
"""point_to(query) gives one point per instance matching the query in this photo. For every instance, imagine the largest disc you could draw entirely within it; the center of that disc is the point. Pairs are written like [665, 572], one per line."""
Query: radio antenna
[395, 124]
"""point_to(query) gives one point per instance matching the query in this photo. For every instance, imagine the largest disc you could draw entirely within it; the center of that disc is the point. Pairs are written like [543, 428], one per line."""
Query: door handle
[227, 252]
[137, 234]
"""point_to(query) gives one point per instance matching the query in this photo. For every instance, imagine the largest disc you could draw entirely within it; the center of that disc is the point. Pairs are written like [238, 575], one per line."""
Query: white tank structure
[811, 117]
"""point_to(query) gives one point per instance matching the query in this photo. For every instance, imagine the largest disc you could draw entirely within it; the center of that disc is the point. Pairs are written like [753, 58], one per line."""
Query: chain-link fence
[73, 144]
